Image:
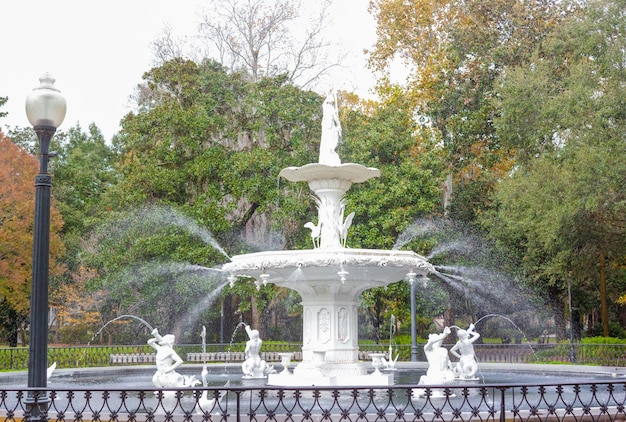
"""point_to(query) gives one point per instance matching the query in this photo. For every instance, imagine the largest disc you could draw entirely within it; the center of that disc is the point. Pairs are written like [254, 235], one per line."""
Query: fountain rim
[304, 258]
[355, 173]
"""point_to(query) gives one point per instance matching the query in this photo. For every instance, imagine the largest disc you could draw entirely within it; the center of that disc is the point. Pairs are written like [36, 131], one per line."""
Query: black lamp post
[572, 350]
[45, 109]
[411, 277]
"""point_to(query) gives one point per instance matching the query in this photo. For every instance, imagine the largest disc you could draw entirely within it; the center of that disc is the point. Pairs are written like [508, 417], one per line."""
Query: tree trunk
[558, 309]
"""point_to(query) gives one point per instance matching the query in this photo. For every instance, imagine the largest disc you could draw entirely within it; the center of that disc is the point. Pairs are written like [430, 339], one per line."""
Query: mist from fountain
[192, 315]
[419, 228]
[467, 265]
[150, 219]
[509, 321]
[234, 334]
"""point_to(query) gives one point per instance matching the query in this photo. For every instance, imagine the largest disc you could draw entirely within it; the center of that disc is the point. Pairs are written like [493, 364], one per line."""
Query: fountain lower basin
[592, 393]
[330, 282]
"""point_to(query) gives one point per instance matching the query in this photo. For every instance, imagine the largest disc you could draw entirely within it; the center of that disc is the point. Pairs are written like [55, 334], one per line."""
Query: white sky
[98, 51]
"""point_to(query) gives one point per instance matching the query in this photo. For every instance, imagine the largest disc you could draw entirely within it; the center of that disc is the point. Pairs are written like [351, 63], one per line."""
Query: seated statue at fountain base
[254, 366]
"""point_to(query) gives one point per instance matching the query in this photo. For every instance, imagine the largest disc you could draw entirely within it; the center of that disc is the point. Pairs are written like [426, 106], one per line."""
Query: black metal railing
[588, 402]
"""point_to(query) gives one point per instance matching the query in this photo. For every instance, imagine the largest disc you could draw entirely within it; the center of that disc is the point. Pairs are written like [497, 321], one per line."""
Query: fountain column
[330, 326]
[330, 193]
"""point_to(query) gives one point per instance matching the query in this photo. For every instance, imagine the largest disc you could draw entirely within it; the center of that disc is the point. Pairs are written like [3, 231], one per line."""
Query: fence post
[237, 407]
[502, 405]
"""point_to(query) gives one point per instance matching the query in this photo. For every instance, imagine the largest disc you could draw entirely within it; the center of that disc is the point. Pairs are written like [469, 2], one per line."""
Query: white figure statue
[464, 350]
[316, 231]
[253, 366]
[331, 131]
[50, 370]
[167, 361]
[439, 367]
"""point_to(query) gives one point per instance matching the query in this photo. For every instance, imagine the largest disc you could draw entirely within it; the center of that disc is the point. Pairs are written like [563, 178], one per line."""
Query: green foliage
[602, 340]
[83, 172]
[10, 323]
[410, 174]
[197, 181]
[562, 209]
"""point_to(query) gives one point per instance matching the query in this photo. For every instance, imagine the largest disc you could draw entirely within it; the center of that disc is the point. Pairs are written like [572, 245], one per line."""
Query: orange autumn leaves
[17, 198]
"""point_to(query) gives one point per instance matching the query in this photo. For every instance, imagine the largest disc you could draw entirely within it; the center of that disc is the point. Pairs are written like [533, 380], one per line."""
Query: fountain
[330, 277]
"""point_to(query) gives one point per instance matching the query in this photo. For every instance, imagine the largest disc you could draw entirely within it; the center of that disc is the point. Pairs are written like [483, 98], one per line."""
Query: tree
[453, 51]
[198, 169]
[83, 171]
[17, 194]
[386, 137]
[265, 38]
[563, 208]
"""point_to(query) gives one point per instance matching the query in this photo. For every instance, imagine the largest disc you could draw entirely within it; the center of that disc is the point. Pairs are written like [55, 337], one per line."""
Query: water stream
[121, 317]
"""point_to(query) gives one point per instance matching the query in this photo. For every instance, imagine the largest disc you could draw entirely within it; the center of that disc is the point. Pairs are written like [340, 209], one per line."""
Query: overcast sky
[98, 51]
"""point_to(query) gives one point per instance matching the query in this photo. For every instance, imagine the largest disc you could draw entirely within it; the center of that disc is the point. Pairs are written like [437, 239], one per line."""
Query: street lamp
[45, 109]
[572, 351]
[413, 280]
[411, 277]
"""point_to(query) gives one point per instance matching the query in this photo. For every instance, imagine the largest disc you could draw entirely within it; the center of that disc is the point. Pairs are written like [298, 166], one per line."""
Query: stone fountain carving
[253, 366]
[467, 367]
[167, 361]
[331, 131]
[440, 371]
[330, 277]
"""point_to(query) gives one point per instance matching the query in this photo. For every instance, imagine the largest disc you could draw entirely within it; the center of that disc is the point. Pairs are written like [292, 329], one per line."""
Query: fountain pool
[406, 373]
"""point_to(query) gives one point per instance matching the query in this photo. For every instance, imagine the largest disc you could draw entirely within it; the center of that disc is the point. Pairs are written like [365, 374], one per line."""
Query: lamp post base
[36, 406]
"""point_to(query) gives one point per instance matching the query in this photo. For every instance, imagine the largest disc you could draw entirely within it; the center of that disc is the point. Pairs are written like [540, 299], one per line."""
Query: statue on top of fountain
[253, 366]
[467, 367]
[167, 361]
[331, 131]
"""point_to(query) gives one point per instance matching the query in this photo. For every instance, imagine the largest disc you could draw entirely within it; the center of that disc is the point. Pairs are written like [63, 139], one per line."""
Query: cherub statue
[254, 366]
[167, 361]
[464, 351]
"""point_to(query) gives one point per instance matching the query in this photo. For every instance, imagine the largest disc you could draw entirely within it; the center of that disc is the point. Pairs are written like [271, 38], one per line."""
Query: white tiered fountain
[330, 277]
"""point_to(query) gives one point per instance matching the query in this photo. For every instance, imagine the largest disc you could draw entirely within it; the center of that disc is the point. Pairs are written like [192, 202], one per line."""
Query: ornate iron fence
[567, 402]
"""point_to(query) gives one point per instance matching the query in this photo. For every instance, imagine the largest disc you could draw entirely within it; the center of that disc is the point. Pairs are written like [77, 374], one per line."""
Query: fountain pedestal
[330, 299]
